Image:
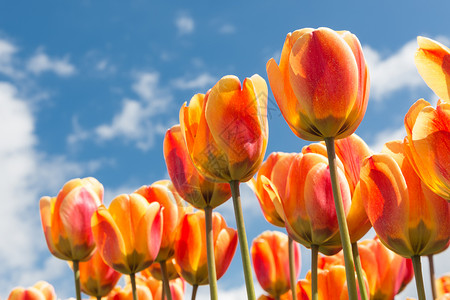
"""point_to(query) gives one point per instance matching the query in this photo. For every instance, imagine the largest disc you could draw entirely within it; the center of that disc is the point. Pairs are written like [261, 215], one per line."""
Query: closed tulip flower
[443, 286]
[321, 84]
[97, 279]
[189, 183]
[427, 144]
[40, 291]
[128, 233]
[156, 286]
[126, 293]
[154, 270]
[433, 62]
[66, 219]
[226, 131]
[190, 248]
[271, 262]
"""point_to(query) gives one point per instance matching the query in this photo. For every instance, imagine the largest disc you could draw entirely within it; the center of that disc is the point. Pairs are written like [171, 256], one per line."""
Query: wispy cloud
[7, 52]
[41, 63]
[392, 73]
[138, 121]
[385, 136]
[227, 29]
[202, 81]
[185, 24]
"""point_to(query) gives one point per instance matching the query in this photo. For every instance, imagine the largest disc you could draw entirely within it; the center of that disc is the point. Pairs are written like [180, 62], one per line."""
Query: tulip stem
[166, 284]
[314, 259]
[194, 291]
[292, 277]
[133, 285]
[99, 298]
[343, 229]
[418, 276]
[359, 272]
[76, 273]
[432, 278]
[243, 245]
[210, 254]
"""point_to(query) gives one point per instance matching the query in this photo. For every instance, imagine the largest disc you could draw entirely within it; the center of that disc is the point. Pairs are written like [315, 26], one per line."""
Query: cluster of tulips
[327, 196]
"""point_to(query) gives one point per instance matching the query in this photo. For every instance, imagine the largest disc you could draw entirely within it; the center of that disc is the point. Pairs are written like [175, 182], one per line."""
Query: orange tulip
[321, 84]
[433, 62]
[273, 172]
[126, 293]
[156, 287]
[190, 247]
[427, 144]
[332, 284]
[350, 152]
[387, 273]
[271, 262]
[96, 277]
[40, 291]
[66, 219]
[226, 131]
[175, 208]
[443, 285]
[408, 218]
[308, 205]
[154, 270]
[189, 183]
[128, 233]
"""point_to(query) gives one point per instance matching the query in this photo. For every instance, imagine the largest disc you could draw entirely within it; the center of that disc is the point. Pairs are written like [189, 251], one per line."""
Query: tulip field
[167, 239]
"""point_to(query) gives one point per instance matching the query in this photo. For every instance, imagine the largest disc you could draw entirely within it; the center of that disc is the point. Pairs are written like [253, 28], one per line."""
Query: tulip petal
[224, 249]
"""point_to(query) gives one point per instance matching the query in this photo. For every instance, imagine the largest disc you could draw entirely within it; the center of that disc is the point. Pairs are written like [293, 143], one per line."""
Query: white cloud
[185, 24]
[7, 52]
[138, 121]
[385, 136]
[203, 81]
[391, 73]
[227, 29]
[41, 62]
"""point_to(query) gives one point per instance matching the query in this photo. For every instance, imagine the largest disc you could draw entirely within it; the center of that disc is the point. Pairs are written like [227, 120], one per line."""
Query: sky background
[88, 88]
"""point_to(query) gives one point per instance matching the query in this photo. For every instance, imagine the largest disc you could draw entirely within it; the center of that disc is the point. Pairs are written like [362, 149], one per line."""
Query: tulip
[155, 271]
[66, 221]
[189, 183]
[408, 217]
[433, 63]
[164, 193]
[97, 279]
[387, 273]
[157, 289]
[321, 84]
[332, 284]
[126, 293]
[190, 250]
[226, 135]
[427, 144]
[443, 286]
[40, 291]
[128, 234]
[271, 262]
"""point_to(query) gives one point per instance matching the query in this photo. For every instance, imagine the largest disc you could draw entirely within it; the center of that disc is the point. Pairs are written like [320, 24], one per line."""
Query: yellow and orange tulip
[66, 219]
[427, 144]
[321, 84]
[175, 208]
[189, 183]
[387, 273]
[271, 262]
[408, 217]
[156, 286]
[97, 279]
[40, 291]
[126, 293]
[443, 285]
[190, 247]
[128, 233]
[433, 62]
[226, 131]
[154, 271]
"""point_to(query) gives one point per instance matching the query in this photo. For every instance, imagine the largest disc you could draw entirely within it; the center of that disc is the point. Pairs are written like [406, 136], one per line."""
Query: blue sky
[88, 88]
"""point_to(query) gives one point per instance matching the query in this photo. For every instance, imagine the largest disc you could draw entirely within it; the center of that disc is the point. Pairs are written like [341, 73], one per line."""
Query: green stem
[359, 272]
[163, 291]
[343, 229]
[314, 259]
[166, 284]
[432, 278]
[210, 254]
[194, 291]
[76, 274]
[418, 276]
[292, 277]
[234, 184]
[133, 285]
